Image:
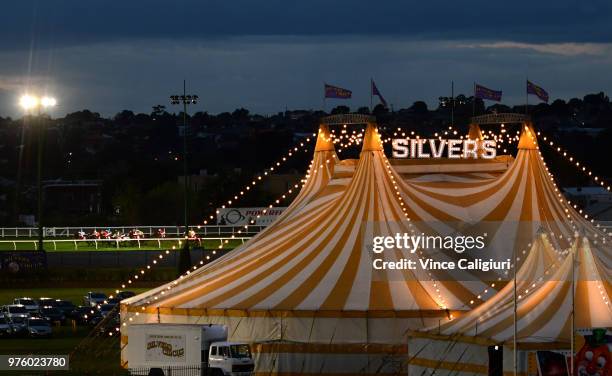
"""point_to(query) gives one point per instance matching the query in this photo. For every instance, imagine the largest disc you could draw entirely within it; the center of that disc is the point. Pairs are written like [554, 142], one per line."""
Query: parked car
[19, 324]
[105, 309]
[46, 302]
[15, 310]
[108, 326]
[6, 328]
[39, 327]
[113, 301]
[125, 294]
[93, 299]
[65, 306]
[36, 314]
[52, 314]
[78, 312]
[29, 303]
[85, 315]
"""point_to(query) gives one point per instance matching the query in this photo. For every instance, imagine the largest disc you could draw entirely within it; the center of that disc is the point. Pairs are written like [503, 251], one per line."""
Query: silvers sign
[440, 148]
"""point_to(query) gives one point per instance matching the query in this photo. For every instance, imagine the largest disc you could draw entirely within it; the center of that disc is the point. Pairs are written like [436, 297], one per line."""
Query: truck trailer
[186, 349]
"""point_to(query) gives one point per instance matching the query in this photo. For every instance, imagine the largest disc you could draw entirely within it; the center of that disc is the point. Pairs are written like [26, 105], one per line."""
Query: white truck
[177, 349]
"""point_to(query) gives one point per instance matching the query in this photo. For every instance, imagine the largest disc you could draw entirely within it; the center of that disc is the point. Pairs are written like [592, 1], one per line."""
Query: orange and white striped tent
[304, 290]
[548, 304]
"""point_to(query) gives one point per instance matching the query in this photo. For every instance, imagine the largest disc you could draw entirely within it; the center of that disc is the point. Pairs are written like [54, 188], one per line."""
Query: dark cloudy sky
[264, 55]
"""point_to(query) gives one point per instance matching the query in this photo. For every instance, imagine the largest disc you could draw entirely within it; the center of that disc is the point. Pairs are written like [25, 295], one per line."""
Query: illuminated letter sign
[439, 148]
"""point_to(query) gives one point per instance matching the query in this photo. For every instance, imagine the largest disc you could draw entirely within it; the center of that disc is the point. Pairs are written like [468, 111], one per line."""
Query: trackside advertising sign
[244, 216]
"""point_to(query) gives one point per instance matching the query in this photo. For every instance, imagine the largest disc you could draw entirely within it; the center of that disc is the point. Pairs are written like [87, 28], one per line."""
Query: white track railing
[149, 231]
[51, 244]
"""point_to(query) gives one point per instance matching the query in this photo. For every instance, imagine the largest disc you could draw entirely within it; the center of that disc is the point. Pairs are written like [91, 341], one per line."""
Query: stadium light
[48, 102]
[29, 102]
[184, 99]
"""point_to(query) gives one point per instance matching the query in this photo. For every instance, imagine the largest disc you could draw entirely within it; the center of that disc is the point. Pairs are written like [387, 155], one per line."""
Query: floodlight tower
[30, 103]
[185, 99]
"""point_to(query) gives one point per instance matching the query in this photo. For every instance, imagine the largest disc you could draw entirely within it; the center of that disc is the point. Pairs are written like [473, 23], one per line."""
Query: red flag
[378, 94]
[537, 91]
[337, 92]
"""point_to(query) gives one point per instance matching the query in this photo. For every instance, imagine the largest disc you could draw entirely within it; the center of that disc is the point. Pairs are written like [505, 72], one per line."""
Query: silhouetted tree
[340, 110]
[419, 107]
[559, 108]
[124, 117]
[379, 109]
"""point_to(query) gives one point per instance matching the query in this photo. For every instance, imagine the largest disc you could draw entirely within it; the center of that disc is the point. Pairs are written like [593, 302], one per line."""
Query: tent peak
[474, 133]
[324, 139]
[528, 137]
[372, 140]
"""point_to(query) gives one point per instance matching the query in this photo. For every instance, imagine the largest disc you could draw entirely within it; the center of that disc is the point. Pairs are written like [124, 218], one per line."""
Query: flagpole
[324, 96]
[526, 95]
[474, 101]
[573, 311]
[515, 353]
[371, 81]
[453, 103]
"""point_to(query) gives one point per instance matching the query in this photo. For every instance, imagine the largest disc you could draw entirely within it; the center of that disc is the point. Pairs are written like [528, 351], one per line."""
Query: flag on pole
[337, 92]
[537, 91]
[378, 94]
[486, 93]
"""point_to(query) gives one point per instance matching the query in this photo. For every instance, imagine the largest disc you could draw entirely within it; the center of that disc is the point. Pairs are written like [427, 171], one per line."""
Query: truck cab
[173, 348]
[230, 358]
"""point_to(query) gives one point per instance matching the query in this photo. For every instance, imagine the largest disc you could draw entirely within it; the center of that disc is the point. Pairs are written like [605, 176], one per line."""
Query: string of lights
[562, 199]
[201, 262]
[353, 138]
[580, 166]
[509, 139]
[160, 257]
[259, 177]
[142, 271]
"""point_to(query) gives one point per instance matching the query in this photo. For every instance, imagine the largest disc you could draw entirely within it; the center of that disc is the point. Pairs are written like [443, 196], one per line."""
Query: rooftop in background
[595, 201]
[587, 191]
[500, 118]
[342, 119]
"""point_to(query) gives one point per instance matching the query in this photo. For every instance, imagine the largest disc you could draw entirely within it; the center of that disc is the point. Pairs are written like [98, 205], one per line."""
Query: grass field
[101, 355]
[74, 294]
[62, 245]
[63, 341]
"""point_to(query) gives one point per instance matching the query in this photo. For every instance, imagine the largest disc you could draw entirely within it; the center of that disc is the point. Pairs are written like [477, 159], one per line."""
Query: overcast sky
[266, 55]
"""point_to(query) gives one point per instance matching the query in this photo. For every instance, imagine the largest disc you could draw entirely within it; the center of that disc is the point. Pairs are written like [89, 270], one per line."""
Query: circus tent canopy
[544, 303]
[308, 277]
[546, 310]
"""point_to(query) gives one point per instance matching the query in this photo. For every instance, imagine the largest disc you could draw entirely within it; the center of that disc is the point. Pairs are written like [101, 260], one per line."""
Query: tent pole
[474, 101]
[371, 89]
[526, 96]
[324, 96]
[515, 353]
[573, 314]
[453, 103]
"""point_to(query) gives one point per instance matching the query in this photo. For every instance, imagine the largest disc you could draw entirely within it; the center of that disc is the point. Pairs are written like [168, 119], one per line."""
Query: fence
[94, 244]
[122, 259]
[171, 231]
[169, 371]
[150, 231]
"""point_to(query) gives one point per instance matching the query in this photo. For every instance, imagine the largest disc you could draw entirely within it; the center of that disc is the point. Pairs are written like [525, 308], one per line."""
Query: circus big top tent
[304, 293]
